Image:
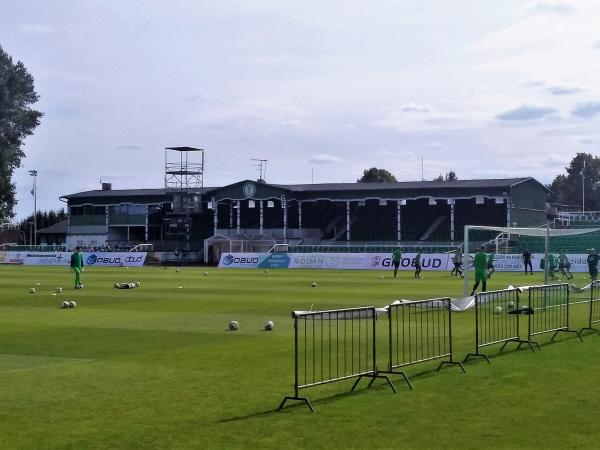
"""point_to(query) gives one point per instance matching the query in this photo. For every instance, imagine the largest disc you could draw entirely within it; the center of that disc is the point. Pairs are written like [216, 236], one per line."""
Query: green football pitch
[155, 368]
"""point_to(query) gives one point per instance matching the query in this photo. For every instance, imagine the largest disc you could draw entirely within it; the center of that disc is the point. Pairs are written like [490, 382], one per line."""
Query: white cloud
[130, 147]
[526, 112]
[35, 29]
[412, 107]
[324, 158]
[563, 90]
[586, 110]
[546, 7]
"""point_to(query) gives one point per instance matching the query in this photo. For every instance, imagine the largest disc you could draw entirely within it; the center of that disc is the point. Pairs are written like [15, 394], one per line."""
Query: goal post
[541, 234]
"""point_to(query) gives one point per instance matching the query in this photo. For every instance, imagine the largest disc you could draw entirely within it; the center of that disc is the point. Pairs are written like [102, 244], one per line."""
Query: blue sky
[487, 89]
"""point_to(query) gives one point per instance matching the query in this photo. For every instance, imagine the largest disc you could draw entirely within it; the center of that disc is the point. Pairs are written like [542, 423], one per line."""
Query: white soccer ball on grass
[269, 325]
[498, 310]
[234, 325]
[32, 290]
[58, 290]
[205, 274]
[314, 284]
[72, 304]
[65, 305]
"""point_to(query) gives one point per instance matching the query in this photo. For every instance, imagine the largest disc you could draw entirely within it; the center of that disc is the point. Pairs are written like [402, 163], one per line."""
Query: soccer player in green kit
[480, 262]
[418, 264]
[490, 265]
[592, 261]
[77, 266]
[564, 264]
[552, 266]
[396, 257]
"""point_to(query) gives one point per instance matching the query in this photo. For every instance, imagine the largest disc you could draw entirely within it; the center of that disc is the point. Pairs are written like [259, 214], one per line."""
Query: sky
[321, 89]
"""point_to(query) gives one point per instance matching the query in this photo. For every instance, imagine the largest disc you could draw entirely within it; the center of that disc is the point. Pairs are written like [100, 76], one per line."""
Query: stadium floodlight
[545, 232]
[34, 173]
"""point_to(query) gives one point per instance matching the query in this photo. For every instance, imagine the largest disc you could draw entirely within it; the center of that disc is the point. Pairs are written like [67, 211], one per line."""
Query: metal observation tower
[184, 180]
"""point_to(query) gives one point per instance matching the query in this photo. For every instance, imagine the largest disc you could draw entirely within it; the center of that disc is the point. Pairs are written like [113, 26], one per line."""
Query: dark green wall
[529, 204]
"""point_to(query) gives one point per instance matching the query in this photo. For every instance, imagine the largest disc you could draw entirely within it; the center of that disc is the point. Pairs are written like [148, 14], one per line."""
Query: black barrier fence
[594, 316]
[332, 346]
[419, 331]
[548, 311]
[496, 321]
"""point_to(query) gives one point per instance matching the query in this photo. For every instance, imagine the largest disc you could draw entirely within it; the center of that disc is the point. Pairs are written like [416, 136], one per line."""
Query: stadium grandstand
[255, 215]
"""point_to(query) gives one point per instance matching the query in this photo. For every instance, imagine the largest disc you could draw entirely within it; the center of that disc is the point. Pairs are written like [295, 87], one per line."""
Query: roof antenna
[261, 167]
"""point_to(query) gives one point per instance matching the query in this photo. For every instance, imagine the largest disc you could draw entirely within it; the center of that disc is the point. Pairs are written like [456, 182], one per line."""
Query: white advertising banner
[378, 261]
[113, 259]
[373, 261]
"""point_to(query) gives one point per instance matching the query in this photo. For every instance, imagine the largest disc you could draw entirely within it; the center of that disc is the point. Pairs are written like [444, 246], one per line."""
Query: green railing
[126, 219]
[87, 220]
[33, 248]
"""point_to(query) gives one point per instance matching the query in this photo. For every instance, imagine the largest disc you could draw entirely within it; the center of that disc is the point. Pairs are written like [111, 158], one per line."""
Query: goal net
[506, 245]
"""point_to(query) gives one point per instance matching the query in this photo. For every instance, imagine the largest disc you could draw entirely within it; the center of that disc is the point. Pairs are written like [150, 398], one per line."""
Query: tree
[44, 219]
[17, 121]
[375, 175]
[450, 176]
[567, 188]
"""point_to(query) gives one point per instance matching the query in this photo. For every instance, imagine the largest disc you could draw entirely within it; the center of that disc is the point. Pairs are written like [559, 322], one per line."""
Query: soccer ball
[116, 286]
[66, 305]
[266, 271]
[180, 287]
[37, 284]
[32, 290]
[72, 304]
[176, 270]
[268, 325]
[497, 309]
[137, 284]
[205, 274]
[234, 325]
[382, 277]
[314, 284]
[511, 305]
[58, 290]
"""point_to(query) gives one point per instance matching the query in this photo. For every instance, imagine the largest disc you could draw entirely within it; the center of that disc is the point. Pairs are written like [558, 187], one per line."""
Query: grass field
[154, 368]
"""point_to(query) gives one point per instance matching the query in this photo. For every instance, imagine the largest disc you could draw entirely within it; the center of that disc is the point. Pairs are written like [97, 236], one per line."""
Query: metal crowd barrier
[496, 321]
[332, 346]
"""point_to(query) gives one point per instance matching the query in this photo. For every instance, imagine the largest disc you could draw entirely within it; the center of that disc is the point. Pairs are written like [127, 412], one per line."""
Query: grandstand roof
[482, 183]
[57, 228]
[329, 187]
[132, 192]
